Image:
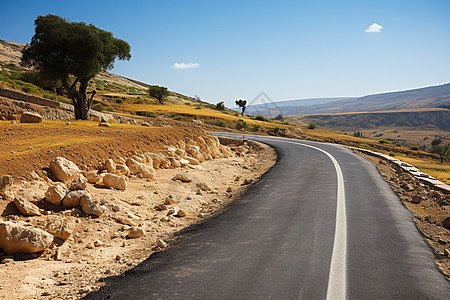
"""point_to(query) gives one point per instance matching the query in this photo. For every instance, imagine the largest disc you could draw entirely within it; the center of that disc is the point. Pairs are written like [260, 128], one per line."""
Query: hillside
[431, 119]
[429, 97]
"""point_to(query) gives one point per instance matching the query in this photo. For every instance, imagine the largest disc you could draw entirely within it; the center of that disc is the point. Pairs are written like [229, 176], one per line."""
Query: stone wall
[32, 99]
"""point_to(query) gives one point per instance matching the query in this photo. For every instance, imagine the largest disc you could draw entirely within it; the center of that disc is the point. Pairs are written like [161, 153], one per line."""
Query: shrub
[120, 100]
[391, 154]
[241, 124]
[384, 142]
[415, 148]
[220, 106]
[398, 145]
[312, 125]
[100, 107]
[220, 123]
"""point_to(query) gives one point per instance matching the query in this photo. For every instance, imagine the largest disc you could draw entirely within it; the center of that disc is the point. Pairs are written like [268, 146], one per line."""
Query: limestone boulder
[26, 207]
[61, 228]
[92, 176]
[56, 193]
[63, 169]
[104, 123]
[78, 183]
[30, 117]
[157, 159]
[122, 170]
[191, 160]
[138, 168]
[136, 232]
[174, 163]
[110, 165]
[91, 206]
[73, 198]
[16, 238]
[114, 181]
[182, 177]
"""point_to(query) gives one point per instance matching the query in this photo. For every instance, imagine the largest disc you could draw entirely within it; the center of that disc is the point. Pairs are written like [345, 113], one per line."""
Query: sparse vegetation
[79, 54]
[158, 92]
[242, 104]
[220, 106]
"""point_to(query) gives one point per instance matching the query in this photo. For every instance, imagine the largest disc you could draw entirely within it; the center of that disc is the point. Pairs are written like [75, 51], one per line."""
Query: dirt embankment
[105, 246]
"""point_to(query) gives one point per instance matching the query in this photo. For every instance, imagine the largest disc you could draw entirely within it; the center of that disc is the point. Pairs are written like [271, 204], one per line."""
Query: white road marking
[337, 279]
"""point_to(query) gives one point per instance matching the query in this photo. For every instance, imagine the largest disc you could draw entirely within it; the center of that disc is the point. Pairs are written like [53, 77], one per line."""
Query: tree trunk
[80, 101]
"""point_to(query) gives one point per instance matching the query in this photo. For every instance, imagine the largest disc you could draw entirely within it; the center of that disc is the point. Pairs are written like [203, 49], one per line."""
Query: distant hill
[429, 97]
[425, 119]
[273, 109]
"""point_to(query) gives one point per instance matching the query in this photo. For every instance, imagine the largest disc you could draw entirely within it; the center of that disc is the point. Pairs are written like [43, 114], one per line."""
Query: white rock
[78, 183]
[136, 232]
[123, 170]
[30, 117]
[91, 206]
[160, 243]
[15, 238]
[92, 177]
[203, 186]
[27, 208]
[191, 160]
[115, 181]
[139, 168]
[73, 198]
[59, 227]
[63, 169]
[182, 177]
[174, 162]
[56, 193]
[110, 165]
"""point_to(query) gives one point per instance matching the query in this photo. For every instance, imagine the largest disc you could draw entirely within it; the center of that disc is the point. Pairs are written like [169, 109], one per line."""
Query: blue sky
[288, 49]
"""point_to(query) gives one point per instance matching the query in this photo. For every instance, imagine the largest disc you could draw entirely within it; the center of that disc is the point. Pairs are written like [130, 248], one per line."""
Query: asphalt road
[322, 223]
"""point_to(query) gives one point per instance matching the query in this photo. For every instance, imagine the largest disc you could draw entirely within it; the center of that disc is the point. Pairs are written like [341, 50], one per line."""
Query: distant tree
[73, 53]
[158, 92]
[241, 103]
[441, 148]
[220, 106]
[279, 117]
[197, 97]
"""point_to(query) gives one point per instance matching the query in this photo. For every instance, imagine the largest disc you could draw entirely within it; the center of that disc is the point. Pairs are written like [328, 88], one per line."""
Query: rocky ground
[160, 179]
[431, 208]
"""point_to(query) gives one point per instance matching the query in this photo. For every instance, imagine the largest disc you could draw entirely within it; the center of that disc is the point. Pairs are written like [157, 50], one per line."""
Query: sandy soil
[100, 246]
[429, 214]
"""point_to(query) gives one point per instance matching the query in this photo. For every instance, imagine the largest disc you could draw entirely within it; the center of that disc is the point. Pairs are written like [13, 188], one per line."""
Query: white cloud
[185, 66]
[374, 28]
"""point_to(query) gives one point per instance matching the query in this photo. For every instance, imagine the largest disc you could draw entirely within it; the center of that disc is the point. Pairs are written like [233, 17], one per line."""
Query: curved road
[321, 224]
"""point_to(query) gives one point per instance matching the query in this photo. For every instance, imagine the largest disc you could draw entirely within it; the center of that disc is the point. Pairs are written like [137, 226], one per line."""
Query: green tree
[241, 103]
[441, 148]
[74, 53]
[158, 92]
[220, 106]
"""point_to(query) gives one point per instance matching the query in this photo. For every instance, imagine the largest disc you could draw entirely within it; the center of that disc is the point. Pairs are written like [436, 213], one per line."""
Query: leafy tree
[158, 92]
[74, 53]
[312, 125]
[241, 103]
[220, 106]
[441, 148]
